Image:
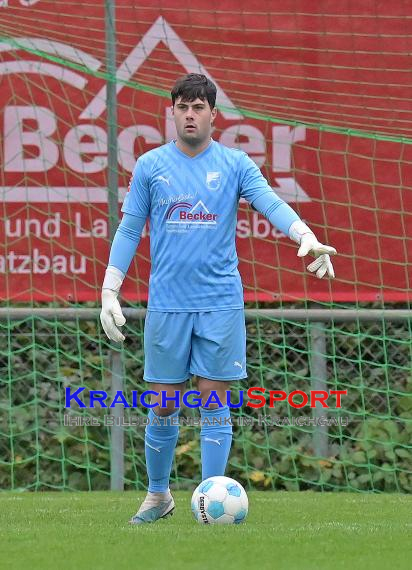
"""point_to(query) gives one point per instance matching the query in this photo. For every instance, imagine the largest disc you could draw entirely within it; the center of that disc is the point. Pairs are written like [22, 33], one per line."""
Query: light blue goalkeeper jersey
[192, 207]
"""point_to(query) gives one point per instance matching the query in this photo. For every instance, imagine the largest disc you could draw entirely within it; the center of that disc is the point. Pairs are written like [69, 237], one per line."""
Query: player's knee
[213, 393]
[167, 398]
[206, 403]
[165, 410]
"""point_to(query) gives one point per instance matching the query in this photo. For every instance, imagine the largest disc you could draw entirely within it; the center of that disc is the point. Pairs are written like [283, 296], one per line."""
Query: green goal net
[319, 98]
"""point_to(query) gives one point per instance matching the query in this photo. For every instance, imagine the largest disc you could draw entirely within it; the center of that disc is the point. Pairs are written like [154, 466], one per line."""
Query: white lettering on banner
[26, 3]
[39, 263]
[127, 139]
[255, 146]
[84, 148]
[74, 148]
[283, 139]
[290, 190]
[51, 228]
[99, 227]
[16, 138]
[253, 226]
[32, 227]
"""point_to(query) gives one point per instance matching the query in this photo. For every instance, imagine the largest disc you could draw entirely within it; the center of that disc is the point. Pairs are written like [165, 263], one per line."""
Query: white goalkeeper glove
[111, 315]
[304, 236]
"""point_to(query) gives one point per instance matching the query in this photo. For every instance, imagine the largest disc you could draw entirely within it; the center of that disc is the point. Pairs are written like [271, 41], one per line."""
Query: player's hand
[322, 265]
[111, 315]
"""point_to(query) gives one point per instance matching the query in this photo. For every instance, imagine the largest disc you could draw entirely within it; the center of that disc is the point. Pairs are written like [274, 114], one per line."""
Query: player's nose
[189, 114]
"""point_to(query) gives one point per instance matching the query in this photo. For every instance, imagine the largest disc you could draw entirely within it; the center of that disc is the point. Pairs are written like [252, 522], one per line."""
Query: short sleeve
[137, 200]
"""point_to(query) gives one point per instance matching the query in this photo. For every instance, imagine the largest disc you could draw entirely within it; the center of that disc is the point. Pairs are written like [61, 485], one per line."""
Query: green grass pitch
[302, 531]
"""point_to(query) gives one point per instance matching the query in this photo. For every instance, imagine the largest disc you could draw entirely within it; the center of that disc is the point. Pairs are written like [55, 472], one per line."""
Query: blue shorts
[210, 344]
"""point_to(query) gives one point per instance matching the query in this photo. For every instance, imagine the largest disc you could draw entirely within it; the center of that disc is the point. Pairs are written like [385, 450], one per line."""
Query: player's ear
[214, 113]
[172, 109]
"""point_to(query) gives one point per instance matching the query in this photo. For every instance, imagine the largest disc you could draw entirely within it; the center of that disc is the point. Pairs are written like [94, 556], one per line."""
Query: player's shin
[161, 436]
[216, 439]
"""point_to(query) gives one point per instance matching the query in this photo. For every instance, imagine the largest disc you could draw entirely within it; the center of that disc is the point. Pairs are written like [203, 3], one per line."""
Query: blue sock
[160, 442]
[216, 439]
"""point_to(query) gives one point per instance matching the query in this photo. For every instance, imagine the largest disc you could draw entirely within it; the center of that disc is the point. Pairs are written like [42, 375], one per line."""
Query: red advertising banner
[321, 68]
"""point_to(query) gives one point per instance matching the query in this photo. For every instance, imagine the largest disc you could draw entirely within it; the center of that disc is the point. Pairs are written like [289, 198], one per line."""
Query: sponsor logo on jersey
[183, 215]
[183, 197]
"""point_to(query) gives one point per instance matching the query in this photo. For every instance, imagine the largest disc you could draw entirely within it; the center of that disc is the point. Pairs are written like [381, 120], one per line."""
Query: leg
[216, 428]
[161, 436]
[167, 350]
[218, 357]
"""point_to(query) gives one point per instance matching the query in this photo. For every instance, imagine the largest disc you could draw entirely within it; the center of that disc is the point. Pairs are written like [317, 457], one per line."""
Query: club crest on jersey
[213, 180]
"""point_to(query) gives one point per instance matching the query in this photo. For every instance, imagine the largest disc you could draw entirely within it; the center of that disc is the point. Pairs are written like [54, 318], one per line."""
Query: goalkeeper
[190, 190]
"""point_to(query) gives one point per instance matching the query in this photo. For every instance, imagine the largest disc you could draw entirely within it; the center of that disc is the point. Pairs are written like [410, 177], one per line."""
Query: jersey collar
[201, 154]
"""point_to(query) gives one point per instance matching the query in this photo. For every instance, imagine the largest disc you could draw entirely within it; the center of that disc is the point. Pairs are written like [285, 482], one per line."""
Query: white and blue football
[220, 500]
